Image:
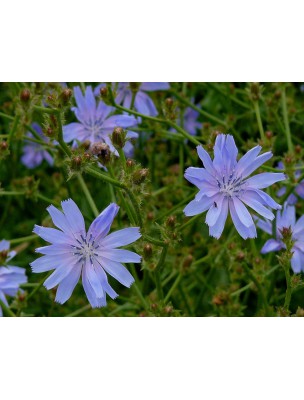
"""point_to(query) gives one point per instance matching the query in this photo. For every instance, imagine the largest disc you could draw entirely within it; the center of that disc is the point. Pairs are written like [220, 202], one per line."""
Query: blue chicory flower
[143, 102]
[96, 121]
[286, 219]
[225, 185]
[299, 189]
[190, 123]
[34, 153]
[74, 252]
[11, 277]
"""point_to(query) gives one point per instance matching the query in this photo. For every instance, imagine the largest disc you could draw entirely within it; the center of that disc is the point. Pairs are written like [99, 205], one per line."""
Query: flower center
[86, 248]
[231, 185]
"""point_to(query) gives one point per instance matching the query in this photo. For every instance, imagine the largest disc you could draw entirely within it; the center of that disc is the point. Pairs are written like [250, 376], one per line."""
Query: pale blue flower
[143, 102]
[96, 121]
[35, 153]
[11, 277]
[74, 252]
[286, 219]
[225, 186]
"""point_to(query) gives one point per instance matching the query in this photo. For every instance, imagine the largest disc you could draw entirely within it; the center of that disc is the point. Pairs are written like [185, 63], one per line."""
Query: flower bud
[76, 162]
[119, 137]
[134, 86]
[140, 176]
[148, 251]
[85, 145]
[169, 103]
[25, 95]
[298, 149]
[3, 145]
[103, 92]
[65, 96]
[255, 91]
[269, 134]
[130, 163]
[171, 221]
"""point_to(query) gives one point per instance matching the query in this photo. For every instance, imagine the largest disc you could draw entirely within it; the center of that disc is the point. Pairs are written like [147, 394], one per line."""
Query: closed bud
[286, 232]
[130, 163]
[119, 137]
[66, 95]
[87, 156]
[25, 95]
[150, 216]
[140, 176]
[240, 256]
[169, 103]
[76, 162]
[168, 309]
[148, 251]
[255, 90]
[103, 92]
[298, 149]
[3, 145]
[49, 132]
[269, 134]
[171, 221]
[134, 86]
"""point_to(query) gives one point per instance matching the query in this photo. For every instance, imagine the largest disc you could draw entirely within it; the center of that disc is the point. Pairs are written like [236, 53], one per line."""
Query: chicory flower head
[96, 121]
[224, 185]
[10, 277]
[286, 219]
[35, 153]
[74, 252]
[143, 102]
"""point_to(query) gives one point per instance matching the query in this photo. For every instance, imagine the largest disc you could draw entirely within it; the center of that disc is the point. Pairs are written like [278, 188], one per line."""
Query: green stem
[79, 311]
[199, 110]
[144, 303]
[23, 239]
[286, 122]
[6, 309]
[259, 287]
[288, 286]
[88, 195]
[6, 116]
[173, 287]
[259, 120]
[157, 271]
[38, 286]
[191, 220]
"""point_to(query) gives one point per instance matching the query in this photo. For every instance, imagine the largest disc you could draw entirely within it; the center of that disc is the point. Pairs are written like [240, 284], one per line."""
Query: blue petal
[264, 180]
[271, 245]
[297, 261]
[91, 295]
[59, 220]
[120, 255]
[102, 224]
[104, 281]
[245, 232]
[204, 156]
[67, 285]
[242, 212]
[153, 86]
[122, 237]
[58, 275]
[52, 235]
[73, 131]
[117, 271]
[253, 200]
[217, 229]
[144, 104]
[73, 216]
[198, 207]
[256, 164]
[124, 121]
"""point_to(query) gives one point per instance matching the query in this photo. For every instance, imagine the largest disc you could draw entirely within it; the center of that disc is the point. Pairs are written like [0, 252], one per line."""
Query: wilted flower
[286, 219]
[224, 185]
[96, 123]
[35, 153]
[143, 102]
[299, 189]
[74, 252]
[10, 277]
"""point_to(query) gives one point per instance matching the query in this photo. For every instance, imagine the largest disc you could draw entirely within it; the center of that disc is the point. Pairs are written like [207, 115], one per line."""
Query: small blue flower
[10, 277]
[299, 189]
[190, 123]
[286, 219]
[34, 153]
[143, 102]
[96, 121]
[224, 185]
[74, 252]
